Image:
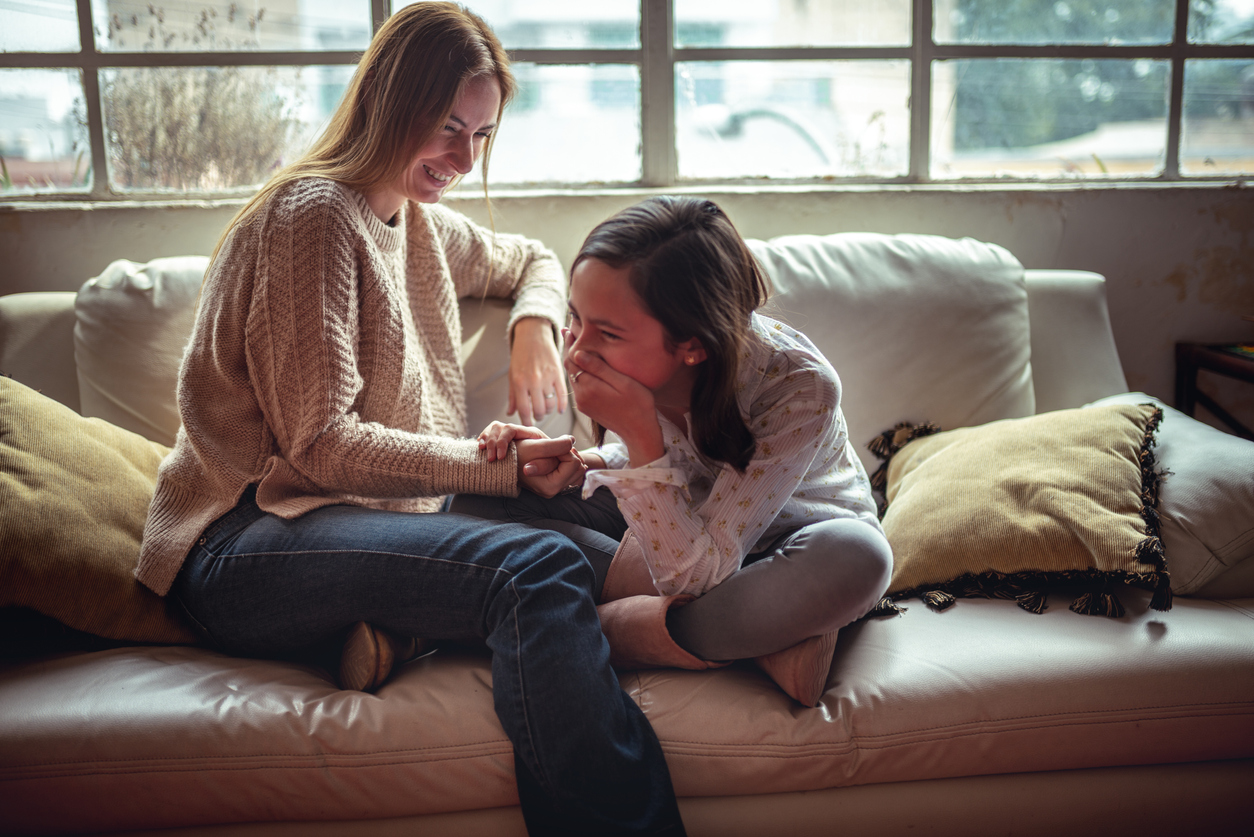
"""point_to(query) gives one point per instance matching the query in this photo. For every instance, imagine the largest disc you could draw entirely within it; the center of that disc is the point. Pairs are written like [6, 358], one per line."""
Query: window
[124, 99]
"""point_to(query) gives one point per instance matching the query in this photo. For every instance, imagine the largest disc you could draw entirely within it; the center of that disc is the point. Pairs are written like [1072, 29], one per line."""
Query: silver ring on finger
[548, 395]
[575, 376]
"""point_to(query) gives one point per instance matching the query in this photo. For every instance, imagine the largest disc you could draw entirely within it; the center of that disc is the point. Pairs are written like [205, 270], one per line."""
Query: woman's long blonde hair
[400, 96]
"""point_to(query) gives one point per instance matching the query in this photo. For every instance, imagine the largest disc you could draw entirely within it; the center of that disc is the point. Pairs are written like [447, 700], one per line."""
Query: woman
[734, 475]
[323, 414]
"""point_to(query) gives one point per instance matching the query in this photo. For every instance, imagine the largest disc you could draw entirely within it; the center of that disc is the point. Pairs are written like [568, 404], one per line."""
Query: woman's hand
[549, 466]
[536, 384]
[616, 402]
[495, 438]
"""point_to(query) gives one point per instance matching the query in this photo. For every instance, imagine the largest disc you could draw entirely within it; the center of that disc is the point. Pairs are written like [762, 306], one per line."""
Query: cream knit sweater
[325, 366]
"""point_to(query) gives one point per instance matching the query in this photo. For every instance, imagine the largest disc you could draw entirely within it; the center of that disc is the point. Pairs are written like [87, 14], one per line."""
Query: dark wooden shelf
[1190, 357]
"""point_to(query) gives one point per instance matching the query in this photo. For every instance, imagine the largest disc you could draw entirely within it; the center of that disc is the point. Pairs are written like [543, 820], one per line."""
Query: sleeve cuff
[627, 482]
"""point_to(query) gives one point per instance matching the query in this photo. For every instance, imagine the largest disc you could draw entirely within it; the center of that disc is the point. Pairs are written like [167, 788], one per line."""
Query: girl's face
[451, 152]
[608, 318]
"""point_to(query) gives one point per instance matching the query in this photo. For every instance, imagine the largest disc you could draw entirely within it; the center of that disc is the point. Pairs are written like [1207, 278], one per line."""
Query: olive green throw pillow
[74, 493]
[1015, 508]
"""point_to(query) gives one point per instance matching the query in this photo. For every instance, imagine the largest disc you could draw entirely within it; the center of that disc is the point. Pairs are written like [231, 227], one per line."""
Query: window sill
[508, 194]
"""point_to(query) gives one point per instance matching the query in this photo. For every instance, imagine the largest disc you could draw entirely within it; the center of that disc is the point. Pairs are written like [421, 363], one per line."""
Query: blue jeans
[586, 759]
[594, 525]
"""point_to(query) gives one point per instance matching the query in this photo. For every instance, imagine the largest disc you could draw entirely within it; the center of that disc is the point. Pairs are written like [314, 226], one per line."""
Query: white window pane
[38, 26]
[1048, 117]
[242, 25]
[559, 24]
[1053, 21]
[785, 23]
[569, 124]
[792, 119]
[1217, 135]
[212, 128]
[43, 135]
[1222, 22]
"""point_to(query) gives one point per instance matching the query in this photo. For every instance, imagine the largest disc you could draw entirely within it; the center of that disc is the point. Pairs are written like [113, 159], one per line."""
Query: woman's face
[451, 152]
[608, 318]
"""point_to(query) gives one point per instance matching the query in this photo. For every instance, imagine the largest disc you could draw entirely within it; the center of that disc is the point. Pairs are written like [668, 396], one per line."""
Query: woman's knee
[542, 557]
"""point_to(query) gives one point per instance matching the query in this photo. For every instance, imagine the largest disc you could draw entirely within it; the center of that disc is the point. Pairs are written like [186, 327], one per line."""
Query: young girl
[735, 480]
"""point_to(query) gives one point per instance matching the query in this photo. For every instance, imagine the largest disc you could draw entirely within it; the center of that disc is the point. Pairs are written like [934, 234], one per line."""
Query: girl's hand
[536, 384]
[548, 466]
[495, 438]
[617, 403]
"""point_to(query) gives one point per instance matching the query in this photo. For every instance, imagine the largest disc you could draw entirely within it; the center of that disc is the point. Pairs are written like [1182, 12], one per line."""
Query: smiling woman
[448, 155]
[323, 411]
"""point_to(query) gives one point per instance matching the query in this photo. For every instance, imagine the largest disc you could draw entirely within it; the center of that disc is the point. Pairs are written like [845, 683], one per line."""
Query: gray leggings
[811, 581]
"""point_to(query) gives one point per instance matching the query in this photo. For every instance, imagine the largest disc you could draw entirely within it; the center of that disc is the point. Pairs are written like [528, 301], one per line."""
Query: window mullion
[921, 50]
[1175, 100]
[89, 66]
[657, 92]
[380, 10]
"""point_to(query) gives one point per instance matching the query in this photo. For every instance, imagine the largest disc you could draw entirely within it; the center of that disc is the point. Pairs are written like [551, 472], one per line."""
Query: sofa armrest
[37, 343]
[1074, 358]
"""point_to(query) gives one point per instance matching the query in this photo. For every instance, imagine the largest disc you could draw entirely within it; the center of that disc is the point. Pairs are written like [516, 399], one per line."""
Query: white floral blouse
[696, 519]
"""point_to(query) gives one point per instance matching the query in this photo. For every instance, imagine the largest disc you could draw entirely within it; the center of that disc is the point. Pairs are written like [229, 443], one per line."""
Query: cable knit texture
[325, 365]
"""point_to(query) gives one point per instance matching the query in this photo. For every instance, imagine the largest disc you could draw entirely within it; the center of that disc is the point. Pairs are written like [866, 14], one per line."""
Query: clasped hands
[548, 466]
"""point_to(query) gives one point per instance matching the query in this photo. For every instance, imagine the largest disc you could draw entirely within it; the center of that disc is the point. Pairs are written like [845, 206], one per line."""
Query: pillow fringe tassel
[1150, 550]
[938, 599]
[887, 607]
[1030, 591]
[1099, 603]
[886, 445]
[1162, 598]
[1033, 601]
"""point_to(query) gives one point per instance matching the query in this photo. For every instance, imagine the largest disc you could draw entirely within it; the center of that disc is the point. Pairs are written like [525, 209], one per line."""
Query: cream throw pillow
[1207, 503]
[132, 325]
[74, 493]
[1015, 507]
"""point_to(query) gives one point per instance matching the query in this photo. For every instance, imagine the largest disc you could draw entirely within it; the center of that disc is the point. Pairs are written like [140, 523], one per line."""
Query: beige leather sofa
[981, 719]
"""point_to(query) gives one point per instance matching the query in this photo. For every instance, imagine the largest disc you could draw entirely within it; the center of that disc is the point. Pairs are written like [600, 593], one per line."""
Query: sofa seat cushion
[163, 737]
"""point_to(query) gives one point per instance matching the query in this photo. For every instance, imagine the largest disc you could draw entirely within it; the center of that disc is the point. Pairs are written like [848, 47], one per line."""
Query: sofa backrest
[920, 328]
[37, 343]
[112, 350]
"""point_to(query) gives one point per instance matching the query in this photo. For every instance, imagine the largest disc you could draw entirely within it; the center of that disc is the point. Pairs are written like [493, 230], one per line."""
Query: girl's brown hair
[696, 276]
[400, 96]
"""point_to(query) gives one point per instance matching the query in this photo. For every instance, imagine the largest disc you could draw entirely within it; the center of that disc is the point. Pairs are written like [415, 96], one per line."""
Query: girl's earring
[690, 360]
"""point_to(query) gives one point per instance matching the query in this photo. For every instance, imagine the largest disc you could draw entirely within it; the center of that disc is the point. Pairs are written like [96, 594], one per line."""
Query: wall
[1179, 260]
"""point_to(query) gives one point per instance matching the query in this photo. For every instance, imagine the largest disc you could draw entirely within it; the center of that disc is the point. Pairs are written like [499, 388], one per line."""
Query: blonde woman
[323, 410]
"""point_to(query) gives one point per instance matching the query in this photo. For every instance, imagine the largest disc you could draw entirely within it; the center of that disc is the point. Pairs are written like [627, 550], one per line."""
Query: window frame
[656, 57]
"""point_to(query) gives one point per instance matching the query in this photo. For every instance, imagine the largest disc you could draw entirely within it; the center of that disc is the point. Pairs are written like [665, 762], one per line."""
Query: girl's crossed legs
[810, 582]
